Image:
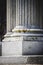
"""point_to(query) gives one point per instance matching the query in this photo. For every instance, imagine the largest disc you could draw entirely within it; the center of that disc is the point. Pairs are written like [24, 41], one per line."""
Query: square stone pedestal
[22, 45]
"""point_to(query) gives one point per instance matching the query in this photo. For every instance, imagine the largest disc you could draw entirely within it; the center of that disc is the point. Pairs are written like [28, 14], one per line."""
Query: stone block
[32, 47]
[12, 48]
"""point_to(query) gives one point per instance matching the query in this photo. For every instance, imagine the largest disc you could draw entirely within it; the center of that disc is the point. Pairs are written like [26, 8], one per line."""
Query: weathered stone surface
[32, 47]
[21, 47]
[12, 48]
[30, 59]
[23, 15]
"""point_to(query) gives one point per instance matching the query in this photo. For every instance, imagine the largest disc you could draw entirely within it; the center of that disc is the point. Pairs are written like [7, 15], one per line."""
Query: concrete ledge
[32, 59]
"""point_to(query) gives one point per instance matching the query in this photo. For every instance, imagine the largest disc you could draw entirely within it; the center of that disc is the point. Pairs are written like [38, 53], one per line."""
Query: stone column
[17, 12]
[31, 12]
[13, 13]
[22, 16]
[24, 39]
[37, 14]
[41, 17]
[25, 14]
[9, 15]
[28, 13]
[20, 22]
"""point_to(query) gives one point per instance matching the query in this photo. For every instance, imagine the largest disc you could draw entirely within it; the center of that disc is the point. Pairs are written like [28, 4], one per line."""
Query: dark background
[2, 18]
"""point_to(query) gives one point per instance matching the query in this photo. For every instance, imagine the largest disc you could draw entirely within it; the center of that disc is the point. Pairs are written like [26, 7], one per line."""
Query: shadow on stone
[35, 60]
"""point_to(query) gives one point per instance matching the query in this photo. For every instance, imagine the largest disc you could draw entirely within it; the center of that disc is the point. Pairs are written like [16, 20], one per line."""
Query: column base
[20, 43]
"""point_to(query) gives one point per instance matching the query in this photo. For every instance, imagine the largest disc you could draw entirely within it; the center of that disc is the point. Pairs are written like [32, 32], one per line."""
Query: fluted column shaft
[9, 15]
[26, 13]
[13, 13]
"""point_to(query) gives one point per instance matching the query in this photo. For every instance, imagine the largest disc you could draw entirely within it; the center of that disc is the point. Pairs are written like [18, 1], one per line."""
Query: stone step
[21, 59]
[19, 64]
